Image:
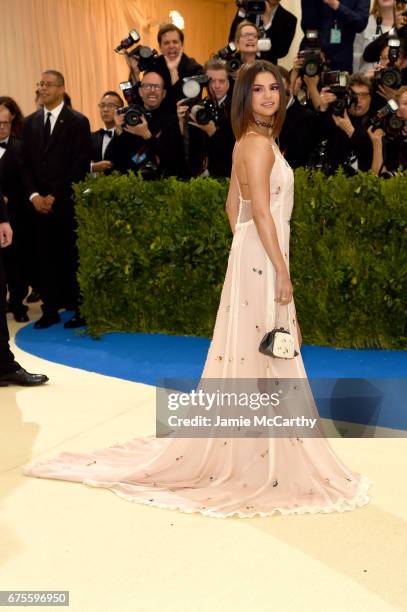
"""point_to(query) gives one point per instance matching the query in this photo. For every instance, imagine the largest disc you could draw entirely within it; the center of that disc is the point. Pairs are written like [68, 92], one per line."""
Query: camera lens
[132, 117]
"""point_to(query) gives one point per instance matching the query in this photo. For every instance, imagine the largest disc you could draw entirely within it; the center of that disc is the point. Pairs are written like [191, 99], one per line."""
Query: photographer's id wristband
[336, 35]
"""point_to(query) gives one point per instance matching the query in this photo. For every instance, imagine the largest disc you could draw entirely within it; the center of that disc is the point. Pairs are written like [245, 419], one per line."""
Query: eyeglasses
[249, 35]
[47, 84]
[151, 86]
[108, 105]
[361, 94]
[4, 123]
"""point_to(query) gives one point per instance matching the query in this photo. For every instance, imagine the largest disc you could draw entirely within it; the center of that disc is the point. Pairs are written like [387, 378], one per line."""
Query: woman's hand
[284, 288]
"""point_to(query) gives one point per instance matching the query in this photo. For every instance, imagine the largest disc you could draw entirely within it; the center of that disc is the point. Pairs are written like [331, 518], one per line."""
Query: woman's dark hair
[17, 121]
[242, 112]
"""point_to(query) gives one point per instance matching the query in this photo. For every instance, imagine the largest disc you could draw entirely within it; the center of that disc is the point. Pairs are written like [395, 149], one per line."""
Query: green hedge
[153, 256]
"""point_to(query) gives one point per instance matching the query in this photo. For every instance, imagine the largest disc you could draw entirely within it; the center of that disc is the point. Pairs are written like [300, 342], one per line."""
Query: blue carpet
[381, 376]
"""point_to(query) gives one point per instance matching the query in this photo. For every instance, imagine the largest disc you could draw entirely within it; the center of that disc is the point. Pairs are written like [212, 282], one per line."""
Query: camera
[337, 81]
[145, 57]
[205, 112]
[228, 54]
[192, 86]
[387, 120]
[312, 57]
[391, 75]
[252, 7]
[133, 112]
[131, 40]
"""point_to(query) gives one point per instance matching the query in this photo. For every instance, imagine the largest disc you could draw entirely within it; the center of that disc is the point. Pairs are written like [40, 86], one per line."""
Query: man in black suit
[102, 139]
[277, 24]
[56, 148]
[337, 23]
[299, 134]
[17, 256]
[10, 371]
[173, 64]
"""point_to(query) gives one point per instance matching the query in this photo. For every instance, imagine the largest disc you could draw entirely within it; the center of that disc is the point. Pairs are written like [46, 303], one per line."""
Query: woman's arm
[258, 159]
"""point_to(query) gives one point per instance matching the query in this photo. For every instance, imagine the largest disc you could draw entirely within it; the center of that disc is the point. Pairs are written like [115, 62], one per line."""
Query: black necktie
[107, 133]
[47, 128]
[3, 144]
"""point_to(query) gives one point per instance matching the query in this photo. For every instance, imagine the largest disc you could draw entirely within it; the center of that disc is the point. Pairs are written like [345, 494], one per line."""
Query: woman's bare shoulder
[256, 147]
[254, 141]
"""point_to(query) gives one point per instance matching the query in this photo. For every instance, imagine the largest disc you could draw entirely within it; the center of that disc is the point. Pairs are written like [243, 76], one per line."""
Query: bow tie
[3, 144]
[107, 133]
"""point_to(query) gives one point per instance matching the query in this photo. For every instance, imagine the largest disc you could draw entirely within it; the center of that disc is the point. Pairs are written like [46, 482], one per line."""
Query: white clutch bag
[278, 343]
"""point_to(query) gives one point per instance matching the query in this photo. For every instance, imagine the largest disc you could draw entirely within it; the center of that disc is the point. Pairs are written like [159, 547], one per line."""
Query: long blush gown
[243, 477]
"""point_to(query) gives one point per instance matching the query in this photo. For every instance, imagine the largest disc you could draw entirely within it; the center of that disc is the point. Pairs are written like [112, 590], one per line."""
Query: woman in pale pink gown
[241, 477]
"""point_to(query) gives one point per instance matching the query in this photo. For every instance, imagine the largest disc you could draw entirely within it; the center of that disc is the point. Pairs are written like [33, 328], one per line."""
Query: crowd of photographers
[346, 93]
[346, 97]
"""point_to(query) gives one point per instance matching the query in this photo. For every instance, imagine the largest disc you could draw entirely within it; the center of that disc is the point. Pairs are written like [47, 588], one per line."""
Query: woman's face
[265, 96]
[386, 3]
[248, 38]
[402, 112]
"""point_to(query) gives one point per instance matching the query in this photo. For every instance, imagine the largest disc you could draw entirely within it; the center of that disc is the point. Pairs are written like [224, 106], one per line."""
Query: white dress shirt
[2, 151]
[106, 140]
[55, 112]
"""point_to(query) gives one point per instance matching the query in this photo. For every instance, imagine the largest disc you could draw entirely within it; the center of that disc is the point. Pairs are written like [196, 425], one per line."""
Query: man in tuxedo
[56, 150]
[17, 256]
[277, 24]
[10, 371]
[102, 139]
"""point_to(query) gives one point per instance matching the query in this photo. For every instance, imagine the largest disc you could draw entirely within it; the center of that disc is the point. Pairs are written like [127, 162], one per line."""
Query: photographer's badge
[336, 35]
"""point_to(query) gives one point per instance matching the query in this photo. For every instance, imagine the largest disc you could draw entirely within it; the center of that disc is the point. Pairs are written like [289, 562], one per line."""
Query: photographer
[174, 64]
[147, 137]
[216, 123]
[344, 119]
[337, 22]
[298, 134]
[390, 139]
[391, 71]
[373, 50]
[276, 23]
[246, 39]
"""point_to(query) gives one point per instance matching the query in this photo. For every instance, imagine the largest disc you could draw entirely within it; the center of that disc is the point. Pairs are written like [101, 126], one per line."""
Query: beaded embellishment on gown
[242, 477]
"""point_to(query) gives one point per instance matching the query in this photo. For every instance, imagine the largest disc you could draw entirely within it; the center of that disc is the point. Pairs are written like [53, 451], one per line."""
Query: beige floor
[113, 555]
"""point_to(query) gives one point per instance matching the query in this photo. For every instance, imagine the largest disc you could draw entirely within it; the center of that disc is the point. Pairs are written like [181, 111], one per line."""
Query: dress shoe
[33, 297]
[76, 321]
[47, 320]
[23, 378]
